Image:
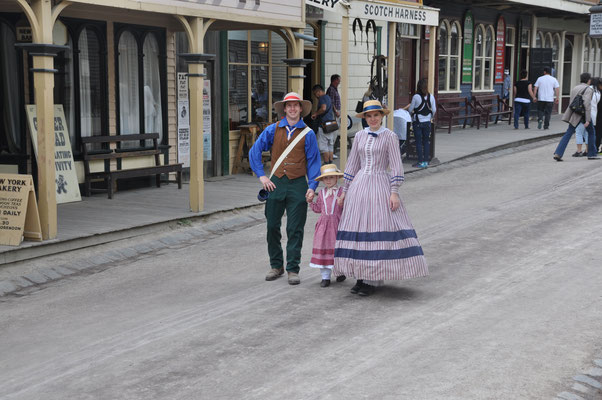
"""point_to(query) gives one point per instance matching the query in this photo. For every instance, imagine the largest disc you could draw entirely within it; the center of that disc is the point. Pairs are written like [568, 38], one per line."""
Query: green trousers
[288, 196]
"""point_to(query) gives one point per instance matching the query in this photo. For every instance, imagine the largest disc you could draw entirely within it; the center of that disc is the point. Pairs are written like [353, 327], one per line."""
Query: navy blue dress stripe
[376, 236]
[379, 254]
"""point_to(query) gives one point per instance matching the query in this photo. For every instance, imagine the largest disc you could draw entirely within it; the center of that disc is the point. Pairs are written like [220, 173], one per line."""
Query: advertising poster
[500, 50]
[18, 210]
[67, 187]
[207, 120]
[467, 48]
[183, 120]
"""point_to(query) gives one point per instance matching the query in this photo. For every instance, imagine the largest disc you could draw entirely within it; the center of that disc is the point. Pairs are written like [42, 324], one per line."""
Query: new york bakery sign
[381, 11]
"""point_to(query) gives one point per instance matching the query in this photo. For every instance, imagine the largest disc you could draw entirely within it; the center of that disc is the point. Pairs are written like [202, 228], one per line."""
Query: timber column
[196, 73]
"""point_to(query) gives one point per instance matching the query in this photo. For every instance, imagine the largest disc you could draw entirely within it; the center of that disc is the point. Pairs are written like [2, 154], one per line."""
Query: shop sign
[67, 187]
[328, 5]
[394, 13]
[24, 34]
[312, 12]
[595, 25]
[467, 48]
[500, 50]
[19, 215]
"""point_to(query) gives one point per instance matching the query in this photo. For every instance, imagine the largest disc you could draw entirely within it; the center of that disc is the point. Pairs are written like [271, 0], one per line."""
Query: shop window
[80, 83]
[555, 54]
[11, 140]
[539, 40]
[483, 58]
[566, 70]
[449, 56]
[140, 81]
[525, 39]
[257, 75]
[509, 36]
[587, 66]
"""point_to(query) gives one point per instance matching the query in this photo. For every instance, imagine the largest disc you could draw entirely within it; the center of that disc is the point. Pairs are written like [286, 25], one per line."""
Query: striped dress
[373, 242]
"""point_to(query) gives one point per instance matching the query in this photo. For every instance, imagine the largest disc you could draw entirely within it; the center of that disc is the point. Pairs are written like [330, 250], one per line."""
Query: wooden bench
[450, 109]
[492, 105]
[107, 154]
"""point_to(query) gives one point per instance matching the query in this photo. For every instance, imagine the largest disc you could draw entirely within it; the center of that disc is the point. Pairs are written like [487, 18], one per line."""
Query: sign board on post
[500, 50]
[18, 210]
[67, 187]
[394, 13]
[183, 120]
[207, 120]
[467, 48]
[595, 25]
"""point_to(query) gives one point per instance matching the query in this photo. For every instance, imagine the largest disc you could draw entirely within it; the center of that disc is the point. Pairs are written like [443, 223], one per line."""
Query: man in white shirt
[547, 94]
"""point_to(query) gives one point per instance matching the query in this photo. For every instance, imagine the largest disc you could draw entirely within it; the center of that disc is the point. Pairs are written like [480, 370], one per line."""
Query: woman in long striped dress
[376, 240]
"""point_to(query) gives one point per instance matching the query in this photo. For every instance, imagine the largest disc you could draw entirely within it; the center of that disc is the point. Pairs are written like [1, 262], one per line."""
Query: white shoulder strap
[288, 149]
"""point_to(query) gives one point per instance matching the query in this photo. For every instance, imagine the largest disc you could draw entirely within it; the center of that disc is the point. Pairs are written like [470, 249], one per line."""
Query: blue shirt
[266, 140]
[329, 114]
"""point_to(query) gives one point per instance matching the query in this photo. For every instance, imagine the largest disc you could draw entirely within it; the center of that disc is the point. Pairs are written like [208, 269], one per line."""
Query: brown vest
[294, 165]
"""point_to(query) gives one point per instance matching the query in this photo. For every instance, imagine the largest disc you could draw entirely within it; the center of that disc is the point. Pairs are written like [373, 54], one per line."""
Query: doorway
[405, 71]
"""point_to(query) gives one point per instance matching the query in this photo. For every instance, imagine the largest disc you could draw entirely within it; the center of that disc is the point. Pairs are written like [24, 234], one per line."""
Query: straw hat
[372, 105]
[329, 170]
[292, 96]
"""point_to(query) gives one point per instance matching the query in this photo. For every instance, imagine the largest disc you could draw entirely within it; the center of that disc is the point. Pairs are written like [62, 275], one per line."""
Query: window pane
[259, 47]
[489, 43]
[259, 97]
[64, 89]
[555, 48]
[279, 85]
[454, 41]
[487, 72]
[538, 41]
[525, 38]
[237, 46]
[443, 39]
[479, 42]
[90, 90]
[10, 121]
[238, 95]
[129, 111]
[454, 70]
[442, 73]
[509, 36]
[153, 117]
[477, 74]
[278, 49]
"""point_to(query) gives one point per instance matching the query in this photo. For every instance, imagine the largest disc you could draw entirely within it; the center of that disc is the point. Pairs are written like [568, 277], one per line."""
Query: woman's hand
[394, 201]
[341, 199]
[267, 183]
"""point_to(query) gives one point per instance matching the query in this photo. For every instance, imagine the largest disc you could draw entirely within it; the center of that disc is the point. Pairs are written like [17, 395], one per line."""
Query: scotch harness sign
[67, 187]
[394, 13]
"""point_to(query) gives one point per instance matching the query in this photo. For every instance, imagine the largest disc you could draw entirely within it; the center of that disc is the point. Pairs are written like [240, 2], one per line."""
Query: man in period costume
[288, 186]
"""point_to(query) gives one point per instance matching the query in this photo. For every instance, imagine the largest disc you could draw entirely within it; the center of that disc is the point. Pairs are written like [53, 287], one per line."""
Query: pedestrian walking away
[581, 134]
[547, 94]
[328, 207]
[523, 94]
[423, 107]
[376, 240]
[579, 111]
[295, 155]
[335, 99]
[323, 115]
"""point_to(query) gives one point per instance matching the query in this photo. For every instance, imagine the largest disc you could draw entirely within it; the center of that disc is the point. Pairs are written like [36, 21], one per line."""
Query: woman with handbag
[327, 124]
[579, 111]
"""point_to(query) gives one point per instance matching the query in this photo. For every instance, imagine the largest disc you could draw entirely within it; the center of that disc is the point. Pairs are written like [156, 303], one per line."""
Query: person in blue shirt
[288, 187]
[323, 114]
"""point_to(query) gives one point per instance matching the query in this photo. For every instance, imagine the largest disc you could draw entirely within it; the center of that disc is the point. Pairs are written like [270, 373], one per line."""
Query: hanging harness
[424, 108]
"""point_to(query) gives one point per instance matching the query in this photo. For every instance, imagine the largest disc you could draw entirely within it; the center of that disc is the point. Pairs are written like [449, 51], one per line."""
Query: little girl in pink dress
[326, 228]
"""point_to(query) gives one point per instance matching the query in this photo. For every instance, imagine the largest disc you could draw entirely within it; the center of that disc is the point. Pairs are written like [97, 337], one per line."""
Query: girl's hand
[394, 201]
[341, 199]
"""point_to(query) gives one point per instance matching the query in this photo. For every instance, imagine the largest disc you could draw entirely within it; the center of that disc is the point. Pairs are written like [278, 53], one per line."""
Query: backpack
[577, 105]
[424, 108]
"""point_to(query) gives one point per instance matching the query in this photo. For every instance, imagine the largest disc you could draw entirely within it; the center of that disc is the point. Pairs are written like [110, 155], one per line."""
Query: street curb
[54, 247]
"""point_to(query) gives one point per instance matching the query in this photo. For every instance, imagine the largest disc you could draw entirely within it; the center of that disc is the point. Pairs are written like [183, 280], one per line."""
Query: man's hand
[309, 196]
[267, 183]
[394, 201]
[586, 124]
[338, 114]
[556, 100]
